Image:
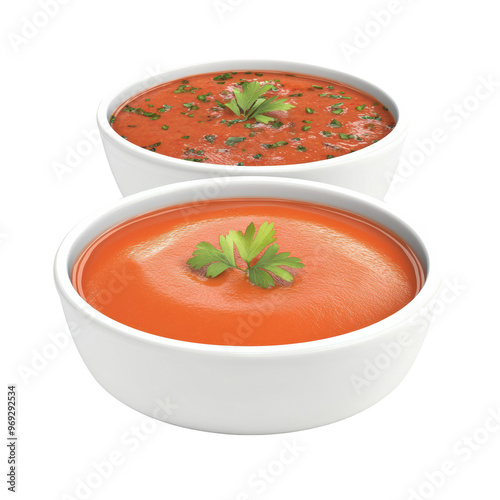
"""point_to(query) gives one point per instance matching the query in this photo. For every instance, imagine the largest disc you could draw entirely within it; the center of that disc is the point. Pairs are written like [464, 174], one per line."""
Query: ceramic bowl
[369, 170]
[244, 389]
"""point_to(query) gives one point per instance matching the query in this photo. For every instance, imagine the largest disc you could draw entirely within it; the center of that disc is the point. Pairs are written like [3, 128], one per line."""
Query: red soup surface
[356, 273]
[188, 119]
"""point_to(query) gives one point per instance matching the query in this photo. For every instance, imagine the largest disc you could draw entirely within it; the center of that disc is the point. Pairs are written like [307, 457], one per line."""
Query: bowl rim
[237, 64]
[63, 265]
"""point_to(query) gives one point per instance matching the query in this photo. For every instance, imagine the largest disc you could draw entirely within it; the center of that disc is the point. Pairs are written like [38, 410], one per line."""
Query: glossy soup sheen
[186, 118]
[356, 273]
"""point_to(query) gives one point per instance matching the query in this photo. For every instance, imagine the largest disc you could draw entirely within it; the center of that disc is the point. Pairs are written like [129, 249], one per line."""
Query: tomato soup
[355, 273]
[188, 119]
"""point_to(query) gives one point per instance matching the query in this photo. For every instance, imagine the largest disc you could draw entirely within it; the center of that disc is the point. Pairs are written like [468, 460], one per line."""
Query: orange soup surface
[187, 118]
[356, 273]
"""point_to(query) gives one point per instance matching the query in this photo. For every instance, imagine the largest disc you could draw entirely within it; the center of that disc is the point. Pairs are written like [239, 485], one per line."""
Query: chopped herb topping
[203, 97]
[296, 95]
[305, 128]
[140, 111]
[231, 141]
[301, 148]
[361, 107]
[310, 111]
[240, 164]
[317, 87]
[335, 123]
[326, 133]
[165, 127]
[185, 137]
[224, 76]
[210, 138]
[328, 157]
[345, 136]
[276, 124]
[164, 108]
[112, 119]
[275, 145]
[259, 74]
[257, 156]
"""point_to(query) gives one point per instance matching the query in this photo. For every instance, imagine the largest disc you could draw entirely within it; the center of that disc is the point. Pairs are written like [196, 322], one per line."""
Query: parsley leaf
[250, 103]
[249, 245]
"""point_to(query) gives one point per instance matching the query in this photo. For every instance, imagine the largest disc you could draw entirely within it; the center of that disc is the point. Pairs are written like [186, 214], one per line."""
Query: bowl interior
[109, 105]
[243, 187]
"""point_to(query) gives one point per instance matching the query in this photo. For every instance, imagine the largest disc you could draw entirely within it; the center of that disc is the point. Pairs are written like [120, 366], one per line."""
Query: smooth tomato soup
[187, 118]
[356, 273]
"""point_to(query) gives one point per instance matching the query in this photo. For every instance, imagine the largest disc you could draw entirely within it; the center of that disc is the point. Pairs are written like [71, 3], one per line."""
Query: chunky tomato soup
[188, 118]
[355, 273]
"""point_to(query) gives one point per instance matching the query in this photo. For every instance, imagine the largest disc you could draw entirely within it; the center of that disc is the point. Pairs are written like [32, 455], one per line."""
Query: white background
[433, 55]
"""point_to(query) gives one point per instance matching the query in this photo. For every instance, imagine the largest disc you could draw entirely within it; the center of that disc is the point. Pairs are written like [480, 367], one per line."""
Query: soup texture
[188, 119]
[355, 273]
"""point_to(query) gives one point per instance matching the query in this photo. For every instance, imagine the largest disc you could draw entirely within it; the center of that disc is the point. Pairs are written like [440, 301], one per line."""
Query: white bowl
[369, 170]
[244, 389]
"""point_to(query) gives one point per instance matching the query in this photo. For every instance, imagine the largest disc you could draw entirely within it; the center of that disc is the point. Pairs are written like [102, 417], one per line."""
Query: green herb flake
[336, 111]
[224, 76]
[317, 87]
[296, 95]
[361, 107]
[185, 137]
[305, 128]
[259, 74]
[328, 157]
[210, 138]
[306, 121]
[310, 111]
[276, 124]
[232, 141]
[203, 97]
[248, 125]
[301, 148]
[326, 133]
[112, 119]
[345, 136]
[275, 145]
[240, 164]
[165, 127]
[335, 124]
[330, 87]
[257, 156]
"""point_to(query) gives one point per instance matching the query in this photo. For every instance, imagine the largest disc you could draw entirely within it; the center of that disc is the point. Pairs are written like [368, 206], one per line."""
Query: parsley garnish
[250, 103]
[249, 246]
